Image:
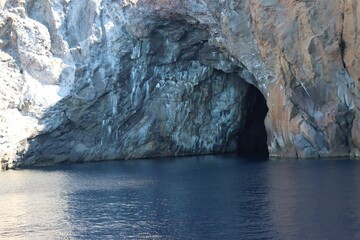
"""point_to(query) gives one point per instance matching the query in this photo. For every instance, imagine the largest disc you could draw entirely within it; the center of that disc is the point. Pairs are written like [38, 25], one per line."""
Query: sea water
[204, 197]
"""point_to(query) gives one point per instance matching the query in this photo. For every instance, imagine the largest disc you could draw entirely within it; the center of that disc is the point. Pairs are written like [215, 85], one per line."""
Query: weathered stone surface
[138, 78]
[307, 44]
[119, 89]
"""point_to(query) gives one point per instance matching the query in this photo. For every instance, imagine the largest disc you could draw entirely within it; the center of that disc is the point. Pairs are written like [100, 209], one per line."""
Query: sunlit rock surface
[128, 79]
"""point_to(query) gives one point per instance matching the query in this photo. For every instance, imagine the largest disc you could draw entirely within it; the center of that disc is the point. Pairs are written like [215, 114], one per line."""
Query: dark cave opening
[252, 138]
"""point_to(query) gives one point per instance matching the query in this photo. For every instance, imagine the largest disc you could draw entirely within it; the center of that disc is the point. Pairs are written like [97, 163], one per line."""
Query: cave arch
[175, 93]
[173, 42]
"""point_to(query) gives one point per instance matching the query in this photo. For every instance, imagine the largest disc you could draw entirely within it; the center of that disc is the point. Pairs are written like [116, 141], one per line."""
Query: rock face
[141, 78]
[313, 48]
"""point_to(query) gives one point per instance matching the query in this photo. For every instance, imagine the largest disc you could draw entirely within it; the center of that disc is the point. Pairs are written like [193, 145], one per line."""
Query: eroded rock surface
[139, 78]
[309, 45]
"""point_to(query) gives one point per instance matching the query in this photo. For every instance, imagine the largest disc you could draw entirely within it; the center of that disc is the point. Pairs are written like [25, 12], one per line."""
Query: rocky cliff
[104, 79]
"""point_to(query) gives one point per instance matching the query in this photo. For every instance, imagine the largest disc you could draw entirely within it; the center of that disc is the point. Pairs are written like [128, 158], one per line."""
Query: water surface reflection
[207, 197]
[33, 204]
[315, 199]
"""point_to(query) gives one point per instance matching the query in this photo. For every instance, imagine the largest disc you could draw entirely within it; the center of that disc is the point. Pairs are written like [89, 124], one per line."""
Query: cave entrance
[180, 55]
[252, 138]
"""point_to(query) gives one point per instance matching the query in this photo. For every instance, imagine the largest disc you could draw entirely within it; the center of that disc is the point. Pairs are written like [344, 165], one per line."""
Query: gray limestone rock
[142, 78]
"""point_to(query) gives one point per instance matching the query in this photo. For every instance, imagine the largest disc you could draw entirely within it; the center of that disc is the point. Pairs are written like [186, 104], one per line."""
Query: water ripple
[210, 197]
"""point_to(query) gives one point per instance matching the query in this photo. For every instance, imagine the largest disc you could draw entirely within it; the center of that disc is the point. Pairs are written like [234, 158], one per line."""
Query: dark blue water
[208, 197]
